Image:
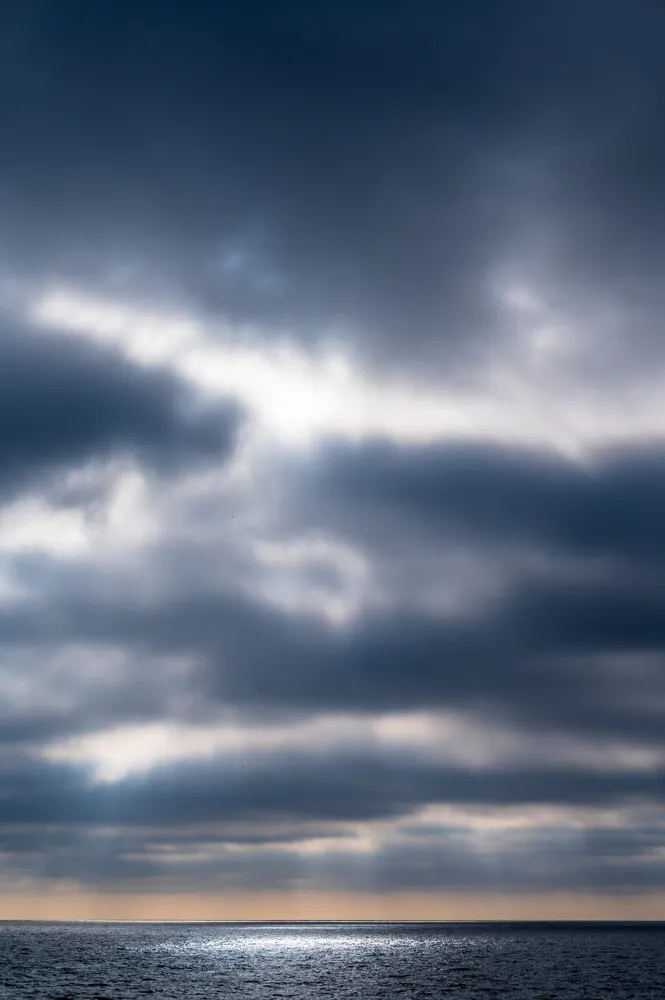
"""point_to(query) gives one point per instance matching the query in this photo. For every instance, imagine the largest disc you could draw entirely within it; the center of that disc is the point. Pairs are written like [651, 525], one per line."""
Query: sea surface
[360, 961]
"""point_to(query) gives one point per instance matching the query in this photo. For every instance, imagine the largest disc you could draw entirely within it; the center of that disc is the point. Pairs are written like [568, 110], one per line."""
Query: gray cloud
[537, 861]
[605, 506]
[65, 402]
[344, 165]
[378, 171]
[56, 825]
[324, 787]
[550, 651]
[544, 652]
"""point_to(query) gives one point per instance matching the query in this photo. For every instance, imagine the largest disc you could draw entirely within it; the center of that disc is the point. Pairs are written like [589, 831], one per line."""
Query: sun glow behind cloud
[298, 397]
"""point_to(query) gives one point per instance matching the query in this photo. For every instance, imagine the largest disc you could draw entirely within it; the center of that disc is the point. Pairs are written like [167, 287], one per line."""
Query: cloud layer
[331, 447]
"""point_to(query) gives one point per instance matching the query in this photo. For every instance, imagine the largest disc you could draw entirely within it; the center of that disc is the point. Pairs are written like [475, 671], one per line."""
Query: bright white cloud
[445, 738]
[530, 396]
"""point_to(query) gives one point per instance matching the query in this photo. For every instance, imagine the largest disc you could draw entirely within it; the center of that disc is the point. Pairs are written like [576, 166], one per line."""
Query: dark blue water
[363, 961]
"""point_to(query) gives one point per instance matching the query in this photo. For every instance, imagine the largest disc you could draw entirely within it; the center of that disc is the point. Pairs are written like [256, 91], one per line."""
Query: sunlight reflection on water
[280, 940]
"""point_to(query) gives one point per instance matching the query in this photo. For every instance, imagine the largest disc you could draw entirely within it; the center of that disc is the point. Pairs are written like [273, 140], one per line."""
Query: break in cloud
[331, 436]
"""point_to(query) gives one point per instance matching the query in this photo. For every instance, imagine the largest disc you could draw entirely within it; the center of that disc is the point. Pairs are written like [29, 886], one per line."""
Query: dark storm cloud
[309, 786]
[349, 162]
[550, 651]
[607, 505]
[595, 524]
[57, 825]
[65, 401]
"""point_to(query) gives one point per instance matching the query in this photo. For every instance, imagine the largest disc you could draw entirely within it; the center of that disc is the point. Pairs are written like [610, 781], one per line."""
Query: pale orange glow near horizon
[330, 906]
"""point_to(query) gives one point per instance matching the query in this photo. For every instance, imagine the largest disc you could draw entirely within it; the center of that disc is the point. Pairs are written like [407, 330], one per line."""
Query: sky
[332, 451]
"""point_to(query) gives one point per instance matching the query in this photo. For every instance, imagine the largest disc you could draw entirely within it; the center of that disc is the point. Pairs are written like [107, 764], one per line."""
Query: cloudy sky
[332, 451]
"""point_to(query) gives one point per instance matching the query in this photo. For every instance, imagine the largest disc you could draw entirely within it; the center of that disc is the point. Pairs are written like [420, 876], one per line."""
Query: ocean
[465, 961]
